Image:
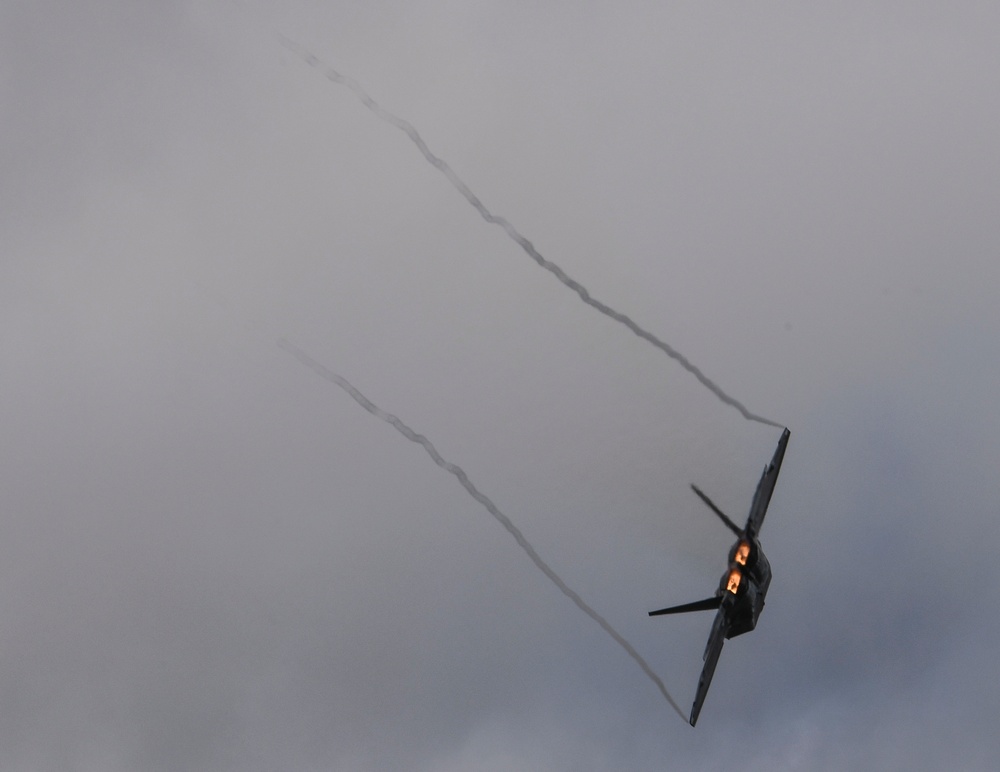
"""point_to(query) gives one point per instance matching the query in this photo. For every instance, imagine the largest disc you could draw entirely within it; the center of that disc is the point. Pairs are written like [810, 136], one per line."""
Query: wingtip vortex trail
[476, 203]
[487, 504]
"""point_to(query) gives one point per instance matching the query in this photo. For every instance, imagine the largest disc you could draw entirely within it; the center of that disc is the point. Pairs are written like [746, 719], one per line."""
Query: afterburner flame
[742, 553]
[733, 582]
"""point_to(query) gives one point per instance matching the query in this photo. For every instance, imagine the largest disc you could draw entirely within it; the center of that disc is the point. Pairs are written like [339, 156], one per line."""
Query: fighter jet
[740, 597]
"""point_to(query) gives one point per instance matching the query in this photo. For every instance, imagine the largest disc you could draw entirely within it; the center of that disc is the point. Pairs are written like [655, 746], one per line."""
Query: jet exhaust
[529, 249]
[490, 507]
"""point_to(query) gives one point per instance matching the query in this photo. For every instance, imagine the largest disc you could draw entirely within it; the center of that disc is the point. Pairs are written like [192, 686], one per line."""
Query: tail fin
[722, 515]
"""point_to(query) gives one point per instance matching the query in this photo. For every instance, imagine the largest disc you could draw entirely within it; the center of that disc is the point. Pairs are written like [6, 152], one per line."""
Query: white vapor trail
[499, 516]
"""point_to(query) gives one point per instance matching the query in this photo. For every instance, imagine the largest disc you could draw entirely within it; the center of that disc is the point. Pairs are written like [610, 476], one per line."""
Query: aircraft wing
[762, 497]
[712, 651]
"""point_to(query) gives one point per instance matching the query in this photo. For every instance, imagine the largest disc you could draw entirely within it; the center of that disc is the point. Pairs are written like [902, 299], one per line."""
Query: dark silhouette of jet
[740, 597]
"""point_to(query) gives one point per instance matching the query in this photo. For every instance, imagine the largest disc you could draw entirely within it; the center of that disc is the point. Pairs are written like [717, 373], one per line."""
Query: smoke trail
[511, 231]
[499, 516]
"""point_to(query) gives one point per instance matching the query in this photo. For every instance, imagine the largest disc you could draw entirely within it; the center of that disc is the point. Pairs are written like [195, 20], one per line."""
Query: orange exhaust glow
[742, 553]
[733, 582]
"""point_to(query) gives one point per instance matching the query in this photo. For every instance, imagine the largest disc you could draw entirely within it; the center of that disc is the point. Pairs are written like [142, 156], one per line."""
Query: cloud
[208, 564]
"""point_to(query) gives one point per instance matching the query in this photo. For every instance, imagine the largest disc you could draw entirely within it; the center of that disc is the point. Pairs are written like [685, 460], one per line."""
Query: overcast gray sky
[212, 559]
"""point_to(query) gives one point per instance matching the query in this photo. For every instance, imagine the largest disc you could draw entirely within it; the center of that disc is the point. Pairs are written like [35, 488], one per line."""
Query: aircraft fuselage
[743, 594]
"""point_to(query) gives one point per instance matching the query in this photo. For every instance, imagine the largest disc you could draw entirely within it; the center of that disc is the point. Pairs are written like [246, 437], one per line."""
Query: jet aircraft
[740, 597]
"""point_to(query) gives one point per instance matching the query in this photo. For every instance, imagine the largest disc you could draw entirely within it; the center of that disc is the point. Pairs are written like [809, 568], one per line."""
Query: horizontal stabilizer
[699, 605]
